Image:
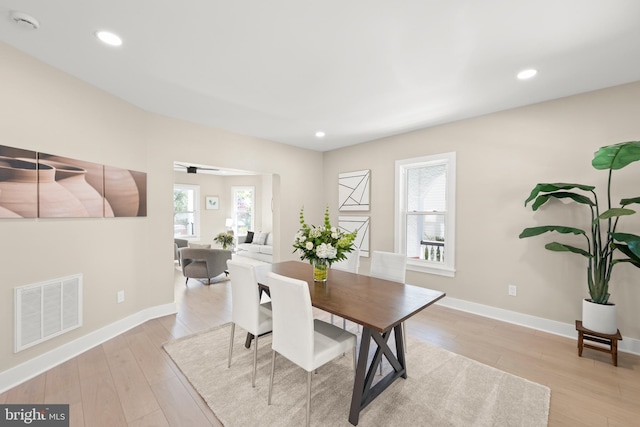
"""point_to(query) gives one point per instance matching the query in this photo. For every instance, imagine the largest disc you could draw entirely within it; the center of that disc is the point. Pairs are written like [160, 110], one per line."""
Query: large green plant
[602, 239]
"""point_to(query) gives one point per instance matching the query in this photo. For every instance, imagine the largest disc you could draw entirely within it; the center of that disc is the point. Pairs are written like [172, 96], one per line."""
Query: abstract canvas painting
[361, 223]
[353, 190]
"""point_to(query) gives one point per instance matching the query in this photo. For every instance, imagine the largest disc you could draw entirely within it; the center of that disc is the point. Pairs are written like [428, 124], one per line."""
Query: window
[186, 210]
[243, 202]
[425, 213]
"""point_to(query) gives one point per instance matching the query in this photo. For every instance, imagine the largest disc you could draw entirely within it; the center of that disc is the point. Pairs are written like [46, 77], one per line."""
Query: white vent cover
[48, 309]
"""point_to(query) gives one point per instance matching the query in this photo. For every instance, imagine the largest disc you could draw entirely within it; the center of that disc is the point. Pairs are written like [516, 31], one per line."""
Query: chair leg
[255, 361]
[273, 368]
[344, 324]
[186, 281]
[332, 319]
[308, 398]
[233, 330]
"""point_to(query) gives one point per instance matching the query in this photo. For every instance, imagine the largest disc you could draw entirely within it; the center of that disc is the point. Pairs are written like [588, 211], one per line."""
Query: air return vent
[48, 309]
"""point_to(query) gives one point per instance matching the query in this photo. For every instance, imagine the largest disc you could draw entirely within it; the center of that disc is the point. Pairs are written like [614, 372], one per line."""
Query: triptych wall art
[353, 196]
[41, 185]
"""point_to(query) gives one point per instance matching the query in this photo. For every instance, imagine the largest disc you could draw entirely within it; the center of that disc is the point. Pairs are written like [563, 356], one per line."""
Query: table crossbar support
[364, 392]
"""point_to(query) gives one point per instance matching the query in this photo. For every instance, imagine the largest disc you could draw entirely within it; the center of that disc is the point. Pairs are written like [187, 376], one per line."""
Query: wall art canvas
[41, 185]
[18, 183]
[212, 202]
[83, 182]
[353, 190]
[361, 223]
[125, 193]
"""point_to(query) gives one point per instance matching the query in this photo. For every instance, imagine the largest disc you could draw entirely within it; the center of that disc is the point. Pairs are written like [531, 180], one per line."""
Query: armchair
[177, 245]
[200, 263]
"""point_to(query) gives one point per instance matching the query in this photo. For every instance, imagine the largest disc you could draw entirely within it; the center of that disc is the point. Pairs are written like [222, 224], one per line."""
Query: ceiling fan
[195, 169]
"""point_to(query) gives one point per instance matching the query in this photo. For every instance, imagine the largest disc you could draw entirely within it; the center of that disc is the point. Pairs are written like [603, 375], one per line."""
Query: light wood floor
[130, 381]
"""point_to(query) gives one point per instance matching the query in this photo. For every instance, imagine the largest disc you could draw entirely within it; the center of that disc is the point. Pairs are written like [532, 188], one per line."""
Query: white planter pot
[599, 317]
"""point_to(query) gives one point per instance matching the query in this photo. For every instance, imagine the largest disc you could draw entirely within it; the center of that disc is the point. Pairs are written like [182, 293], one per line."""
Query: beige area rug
[442, 389]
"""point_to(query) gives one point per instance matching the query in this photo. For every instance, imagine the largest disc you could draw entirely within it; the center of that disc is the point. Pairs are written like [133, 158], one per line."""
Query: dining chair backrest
[388, 266]
[293, 331]
[245, 295]
[351, 264]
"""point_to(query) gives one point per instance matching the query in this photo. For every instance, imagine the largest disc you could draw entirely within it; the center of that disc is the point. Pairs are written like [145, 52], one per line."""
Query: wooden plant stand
[610, 340]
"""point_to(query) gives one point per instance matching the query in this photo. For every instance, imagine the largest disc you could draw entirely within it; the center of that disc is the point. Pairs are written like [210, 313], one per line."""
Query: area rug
[442, 388]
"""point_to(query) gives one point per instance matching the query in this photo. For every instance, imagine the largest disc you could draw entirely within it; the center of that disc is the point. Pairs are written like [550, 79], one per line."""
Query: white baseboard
[34, 367]
[627, 345]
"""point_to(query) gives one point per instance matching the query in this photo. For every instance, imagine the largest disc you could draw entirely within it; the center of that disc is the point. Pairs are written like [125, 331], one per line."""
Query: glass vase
[320, 269]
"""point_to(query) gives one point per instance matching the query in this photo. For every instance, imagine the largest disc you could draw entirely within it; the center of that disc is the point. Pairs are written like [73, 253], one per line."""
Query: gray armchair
[177, 245]
[203, 263]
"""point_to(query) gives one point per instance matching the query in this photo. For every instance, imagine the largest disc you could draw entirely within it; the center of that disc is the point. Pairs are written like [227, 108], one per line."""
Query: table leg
[247, 341]
[364, 391]
[358, 384]
[399, 333]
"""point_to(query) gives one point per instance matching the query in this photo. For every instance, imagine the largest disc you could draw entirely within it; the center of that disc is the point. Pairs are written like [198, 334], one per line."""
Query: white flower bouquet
[323, 244]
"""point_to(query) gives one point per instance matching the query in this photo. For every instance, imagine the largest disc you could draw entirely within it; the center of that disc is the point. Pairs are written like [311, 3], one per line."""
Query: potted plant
[225, 239]
[603, 241]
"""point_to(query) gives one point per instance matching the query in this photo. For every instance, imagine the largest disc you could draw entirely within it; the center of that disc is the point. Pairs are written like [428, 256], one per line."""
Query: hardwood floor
[130, 381]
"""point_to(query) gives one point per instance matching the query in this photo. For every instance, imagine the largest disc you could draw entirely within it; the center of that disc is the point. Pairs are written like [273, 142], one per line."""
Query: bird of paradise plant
[603, 241]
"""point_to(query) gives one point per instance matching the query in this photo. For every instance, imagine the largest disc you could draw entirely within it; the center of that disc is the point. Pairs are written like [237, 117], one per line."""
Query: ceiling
[356, 69]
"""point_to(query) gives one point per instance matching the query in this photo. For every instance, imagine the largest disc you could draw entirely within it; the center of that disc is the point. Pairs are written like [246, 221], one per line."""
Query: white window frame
[196, 213]
[234, 190]
[446, 268]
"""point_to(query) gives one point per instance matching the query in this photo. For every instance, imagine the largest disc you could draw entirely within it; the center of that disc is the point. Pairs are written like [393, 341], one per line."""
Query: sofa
[200, 263]
[257, 245]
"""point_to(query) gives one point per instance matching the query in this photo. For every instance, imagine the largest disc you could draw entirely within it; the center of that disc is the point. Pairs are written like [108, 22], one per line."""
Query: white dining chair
[246, 309]
[388, 266]
[351, 264]
[393, 267]
[309, 343]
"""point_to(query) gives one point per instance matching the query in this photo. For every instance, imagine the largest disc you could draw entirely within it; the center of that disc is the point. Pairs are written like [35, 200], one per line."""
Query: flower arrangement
[322, 245]
[225, 239]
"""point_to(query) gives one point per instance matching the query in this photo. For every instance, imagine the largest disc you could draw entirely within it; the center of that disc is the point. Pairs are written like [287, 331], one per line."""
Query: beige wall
[500, 158]
[46, 110]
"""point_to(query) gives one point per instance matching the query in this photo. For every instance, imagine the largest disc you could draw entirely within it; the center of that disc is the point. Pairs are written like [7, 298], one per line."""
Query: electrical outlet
[513, 290]
[120, 296]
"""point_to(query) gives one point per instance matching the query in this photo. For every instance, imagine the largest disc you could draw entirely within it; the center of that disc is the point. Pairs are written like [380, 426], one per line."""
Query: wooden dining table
[380, 306]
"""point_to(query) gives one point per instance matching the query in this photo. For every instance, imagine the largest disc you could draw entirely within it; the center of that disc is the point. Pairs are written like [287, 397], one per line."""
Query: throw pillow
[199, 246]
[260, 239]
[249, 237]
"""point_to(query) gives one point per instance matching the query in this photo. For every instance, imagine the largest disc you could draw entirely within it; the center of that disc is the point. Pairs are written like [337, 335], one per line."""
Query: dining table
[380, 306]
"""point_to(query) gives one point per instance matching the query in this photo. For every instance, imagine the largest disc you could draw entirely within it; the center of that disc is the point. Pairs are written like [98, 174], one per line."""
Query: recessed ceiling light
[109, 38]
[527, 74]
[320, 134]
